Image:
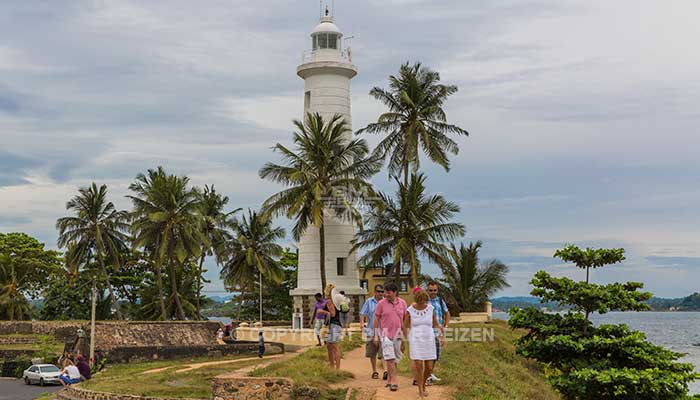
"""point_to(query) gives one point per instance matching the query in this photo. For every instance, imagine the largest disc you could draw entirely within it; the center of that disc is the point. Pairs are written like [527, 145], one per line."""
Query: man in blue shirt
[366, 324]
[443, 318]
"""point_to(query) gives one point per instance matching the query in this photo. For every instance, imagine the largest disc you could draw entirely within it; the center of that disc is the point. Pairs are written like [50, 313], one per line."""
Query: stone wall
[76, 393]
[61, 330]
[146, 353]
[249, 388]
[110, 335]
[18, 339]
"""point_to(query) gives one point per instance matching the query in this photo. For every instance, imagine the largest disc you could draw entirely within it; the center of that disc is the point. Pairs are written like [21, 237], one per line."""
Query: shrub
[584, 362]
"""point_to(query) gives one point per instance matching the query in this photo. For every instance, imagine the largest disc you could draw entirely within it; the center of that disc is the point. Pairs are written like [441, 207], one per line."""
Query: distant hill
[688, 303]
[221, 299]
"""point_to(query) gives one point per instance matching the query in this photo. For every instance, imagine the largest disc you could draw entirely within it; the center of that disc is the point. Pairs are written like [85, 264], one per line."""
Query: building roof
[326, 26]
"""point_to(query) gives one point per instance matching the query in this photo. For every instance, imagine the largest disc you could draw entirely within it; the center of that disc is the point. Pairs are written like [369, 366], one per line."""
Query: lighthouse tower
[327, 70]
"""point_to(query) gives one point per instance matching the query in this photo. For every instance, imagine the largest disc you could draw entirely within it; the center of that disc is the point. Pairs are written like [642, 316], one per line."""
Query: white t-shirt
[73, 372]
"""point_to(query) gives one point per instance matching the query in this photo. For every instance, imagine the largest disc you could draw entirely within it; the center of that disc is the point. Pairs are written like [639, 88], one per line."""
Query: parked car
[43, 374]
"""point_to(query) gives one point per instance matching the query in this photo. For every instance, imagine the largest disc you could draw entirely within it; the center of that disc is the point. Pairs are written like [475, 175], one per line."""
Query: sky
[584, 116]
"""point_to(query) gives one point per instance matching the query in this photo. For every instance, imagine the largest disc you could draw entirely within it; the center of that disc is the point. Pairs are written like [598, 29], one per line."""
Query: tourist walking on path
[261, 344]
[420, 322]
[319, 316]
[335, 329]
[443, 317]
[367, 326]
[345, 317]
[389, 316]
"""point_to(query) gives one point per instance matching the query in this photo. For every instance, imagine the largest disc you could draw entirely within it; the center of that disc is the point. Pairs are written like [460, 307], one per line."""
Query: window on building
[314, 42]
[322, 41]
[332, 41]
[340, 261]
[364, 284]
[307, 100]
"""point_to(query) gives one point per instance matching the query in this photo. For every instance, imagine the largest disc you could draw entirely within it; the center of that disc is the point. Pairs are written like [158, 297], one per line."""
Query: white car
[43, 374]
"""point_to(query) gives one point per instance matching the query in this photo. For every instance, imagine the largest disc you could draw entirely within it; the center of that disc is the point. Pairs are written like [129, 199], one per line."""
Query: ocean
[677, 331]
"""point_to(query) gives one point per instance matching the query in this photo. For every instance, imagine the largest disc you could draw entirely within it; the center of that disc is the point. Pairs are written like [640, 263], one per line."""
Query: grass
[128, 378]
[311, 367]
[489, 370]
[45, 396]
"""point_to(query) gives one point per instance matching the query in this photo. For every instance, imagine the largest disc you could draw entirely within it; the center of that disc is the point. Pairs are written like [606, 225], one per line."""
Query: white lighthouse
[327, 70]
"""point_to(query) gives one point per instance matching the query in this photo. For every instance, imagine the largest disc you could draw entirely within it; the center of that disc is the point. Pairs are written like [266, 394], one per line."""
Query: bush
[584, 362]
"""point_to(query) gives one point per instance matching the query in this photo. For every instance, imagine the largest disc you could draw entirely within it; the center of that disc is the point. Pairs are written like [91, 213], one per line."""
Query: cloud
[583, 118]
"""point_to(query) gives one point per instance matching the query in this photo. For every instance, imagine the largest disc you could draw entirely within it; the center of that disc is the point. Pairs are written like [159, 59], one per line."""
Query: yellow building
[370, 276]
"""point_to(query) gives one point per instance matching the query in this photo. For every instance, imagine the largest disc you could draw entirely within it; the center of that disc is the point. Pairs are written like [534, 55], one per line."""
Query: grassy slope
[311, 367]
[490, 370]
[128, 378]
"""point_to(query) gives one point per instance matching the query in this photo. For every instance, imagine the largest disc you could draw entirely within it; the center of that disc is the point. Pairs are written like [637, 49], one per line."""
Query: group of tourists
[386, 322]
[74, 370]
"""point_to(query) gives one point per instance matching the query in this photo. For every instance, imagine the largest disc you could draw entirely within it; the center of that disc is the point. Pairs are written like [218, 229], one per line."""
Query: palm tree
[411, 226]
[215, 225]
[166, 221]
[469, 283]
[253, 251]
[14, 303]
[416, 118]
[97, 228]
[325, 175]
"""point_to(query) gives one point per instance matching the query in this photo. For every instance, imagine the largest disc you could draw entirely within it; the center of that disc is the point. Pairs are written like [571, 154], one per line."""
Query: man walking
[367, 326]
[389, 316]
[443, 318]
[319, 316]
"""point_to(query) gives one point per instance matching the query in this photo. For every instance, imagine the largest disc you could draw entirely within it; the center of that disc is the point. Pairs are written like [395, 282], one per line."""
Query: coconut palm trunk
[174, 290]
[110, 289]
[161, 291]
[199, 283]
[322, 254]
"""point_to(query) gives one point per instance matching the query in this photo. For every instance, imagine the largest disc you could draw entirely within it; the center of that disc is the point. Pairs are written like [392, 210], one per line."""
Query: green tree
[585, 362]
[325, 175]
[469, 282]
[408, 227]
[590, 258]
[25, 267]
[215, 228]
[96, 228]
[277, 303]
[166, 222]
[68, 297]
[254, 250]
[415, 120]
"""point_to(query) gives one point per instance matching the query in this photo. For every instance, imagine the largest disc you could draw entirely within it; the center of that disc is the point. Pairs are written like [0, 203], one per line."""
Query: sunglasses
[432, 290]
[379, 291]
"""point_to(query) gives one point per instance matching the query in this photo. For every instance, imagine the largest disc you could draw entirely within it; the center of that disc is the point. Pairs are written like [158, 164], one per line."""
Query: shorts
[344, 317]
[335, 333]
[372, 349]
[69, 381]
[437, 348]
[318, 325]
[391, 349]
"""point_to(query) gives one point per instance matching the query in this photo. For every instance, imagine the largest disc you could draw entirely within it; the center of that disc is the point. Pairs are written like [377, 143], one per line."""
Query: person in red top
[388, 330]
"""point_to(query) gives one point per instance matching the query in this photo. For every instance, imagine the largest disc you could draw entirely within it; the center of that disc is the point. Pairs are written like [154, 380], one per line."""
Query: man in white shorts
[389, 316]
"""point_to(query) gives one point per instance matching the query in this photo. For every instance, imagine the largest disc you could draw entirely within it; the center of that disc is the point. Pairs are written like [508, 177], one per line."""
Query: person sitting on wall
[84, 368]
[70, 374]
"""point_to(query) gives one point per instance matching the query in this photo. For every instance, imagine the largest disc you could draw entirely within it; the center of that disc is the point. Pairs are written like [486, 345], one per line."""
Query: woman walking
[421, 323]
[335, 328]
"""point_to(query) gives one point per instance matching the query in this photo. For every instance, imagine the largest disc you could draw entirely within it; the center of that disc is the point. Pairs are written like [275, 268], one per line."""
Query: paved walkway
[356, 363]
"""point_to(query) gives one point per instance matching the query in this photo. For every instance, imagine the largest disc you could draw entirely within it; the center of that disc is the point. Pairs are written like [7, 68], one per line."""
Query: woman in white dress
[421, 323]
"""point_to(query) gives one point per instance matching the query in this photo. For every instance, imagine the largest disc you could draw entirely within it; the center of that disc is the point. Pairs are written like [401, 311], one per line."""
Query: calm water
[677, 331]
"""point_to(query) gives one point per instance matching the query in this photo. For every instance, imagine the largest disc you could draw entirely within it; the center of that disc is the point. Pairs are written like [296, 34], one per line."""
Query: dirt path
[190, 367]
[356, 363]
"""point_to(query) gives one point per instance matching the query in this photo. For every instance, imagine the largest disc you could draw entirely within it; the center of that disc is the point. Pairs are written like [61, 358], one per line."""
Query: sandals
[393, 388]
[415, 382]
[375, 375]
[385, 376]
